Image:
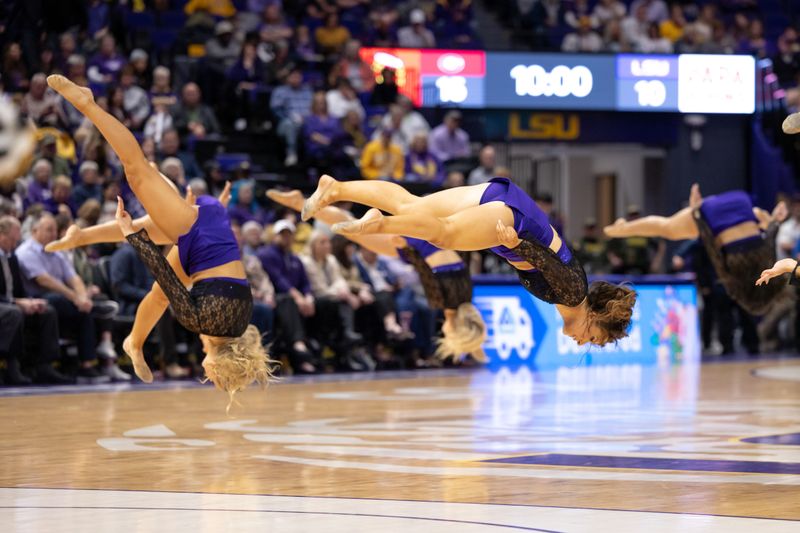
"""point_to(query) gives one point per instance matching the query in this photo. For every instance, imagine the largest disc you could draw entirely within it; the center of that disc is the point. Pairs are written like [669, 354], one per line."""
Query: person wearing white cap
[416, 35]
[294, 299]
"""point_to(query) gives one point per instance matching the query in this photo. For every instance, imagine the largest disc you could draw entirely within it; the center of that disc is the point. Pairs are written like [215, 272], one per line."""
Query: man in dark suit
[18, 313]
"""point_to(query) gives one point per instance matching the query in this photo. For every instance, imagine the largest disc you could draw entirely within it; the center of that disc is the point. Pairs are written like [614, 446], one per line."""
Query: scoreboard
[686, 83]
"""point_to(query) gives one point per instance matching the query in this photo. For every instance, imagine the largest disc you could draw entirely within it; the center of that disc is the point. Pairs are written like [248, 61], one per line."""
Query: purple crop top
[210, 242]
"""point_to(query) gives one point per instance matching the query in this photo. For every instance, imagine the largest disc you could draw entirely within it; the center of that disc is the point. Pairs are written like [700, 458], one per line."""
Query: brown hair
[90, 211]
[467, 335]
[610, 309]
[339, 244]
[63, 221]
[240, 361]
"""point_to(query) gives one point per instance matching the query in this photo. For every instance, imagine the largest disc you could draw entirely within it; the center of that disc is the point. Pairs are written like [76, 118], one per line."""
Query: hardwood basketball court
[626, 448]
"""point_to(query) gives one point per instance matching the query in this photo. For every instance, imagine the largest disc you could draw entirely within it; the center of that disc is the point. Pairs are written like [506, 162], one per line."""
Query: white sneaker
[106, 350]
[116, 373]
[291, 160]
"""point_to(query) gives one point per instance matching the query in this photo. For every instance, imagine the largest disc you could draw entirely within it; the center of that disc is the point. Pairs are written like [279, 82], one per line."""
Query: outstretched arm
[778, 215]
[763, 217]
[784, 266]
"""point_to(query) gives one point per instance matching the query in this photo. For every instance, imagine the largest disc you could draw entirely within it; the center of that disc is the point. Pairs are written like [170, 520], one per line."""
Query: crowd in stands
[290, 75]
[762, 29]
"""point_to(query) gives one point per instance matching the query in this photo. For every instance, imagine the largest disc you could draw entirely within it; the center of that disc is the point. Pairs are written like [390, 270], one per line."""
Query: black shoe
[91, 375]
[14, 376]
[298, 357]
[46, 374]
[351, 336]
[359, 361]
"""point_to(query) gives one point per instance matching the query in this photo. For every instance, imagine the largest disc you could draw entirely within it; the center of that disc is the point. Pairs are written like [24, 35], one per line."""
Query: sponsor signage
[523, 330]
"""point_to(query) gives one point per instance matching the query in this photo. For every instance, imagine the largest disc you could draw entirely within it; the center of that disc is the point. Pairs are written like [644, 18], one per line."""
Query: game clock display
[686, 83]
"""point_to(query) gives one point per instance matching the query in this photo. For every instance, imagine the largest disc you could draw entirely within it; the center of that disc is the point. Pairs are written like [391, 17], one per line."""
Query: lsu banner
[586, 127]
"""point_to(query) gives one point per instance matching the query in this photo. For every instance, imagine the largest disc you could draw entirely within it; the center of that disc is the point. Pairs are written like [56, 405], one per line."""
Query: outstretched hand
[780, 212]
[191, 199]
[783, 266]
[507, 235]
[225, 195]
[124, 220]
[695, 197]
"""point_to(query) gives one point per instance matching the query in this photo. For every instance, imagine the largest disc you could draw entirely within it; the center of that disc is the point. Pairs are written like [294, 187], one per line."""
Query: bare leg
[391, 197]
[147, 316]
[471, 229]
[678, 227]
[107, 232]
[380, 244]
[161, 201]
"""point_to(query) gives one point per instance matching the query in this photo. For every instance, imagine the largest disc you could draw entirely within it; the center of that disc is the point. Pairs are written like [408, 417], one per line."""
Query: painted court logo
[517, 433]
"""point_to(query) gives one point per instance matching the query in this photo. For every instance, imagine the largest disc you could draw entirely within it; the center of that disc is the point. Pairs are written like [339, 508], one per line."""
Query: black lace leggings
[738, 269]
[456, 287]
[217, 307]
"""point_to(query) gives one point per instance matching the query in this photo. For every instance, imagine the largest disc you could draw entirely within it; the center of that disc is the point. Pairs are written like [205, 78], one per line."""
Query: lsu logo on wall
[544, 126]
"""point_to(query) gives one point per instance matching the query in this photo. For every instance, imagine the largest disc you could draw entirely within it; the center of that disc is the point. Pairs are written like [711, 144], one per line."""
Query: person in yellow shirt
[672, 28]
[332, 36]
[382, 159]
[218, 8]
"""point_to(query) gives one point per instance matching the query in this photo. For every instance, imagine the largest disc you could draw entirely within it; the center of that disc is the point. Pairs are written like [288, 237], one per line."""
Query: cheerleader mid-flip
[499, 216]
[739, 239]
[219, 304]
[444, 276]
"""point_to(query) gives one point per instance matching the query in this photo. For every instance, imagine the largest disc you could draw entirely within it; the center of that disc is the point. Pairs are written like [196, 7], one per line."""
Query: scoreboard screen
[432, 78]
[549, 81]
[686, 83]
[647, 83]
